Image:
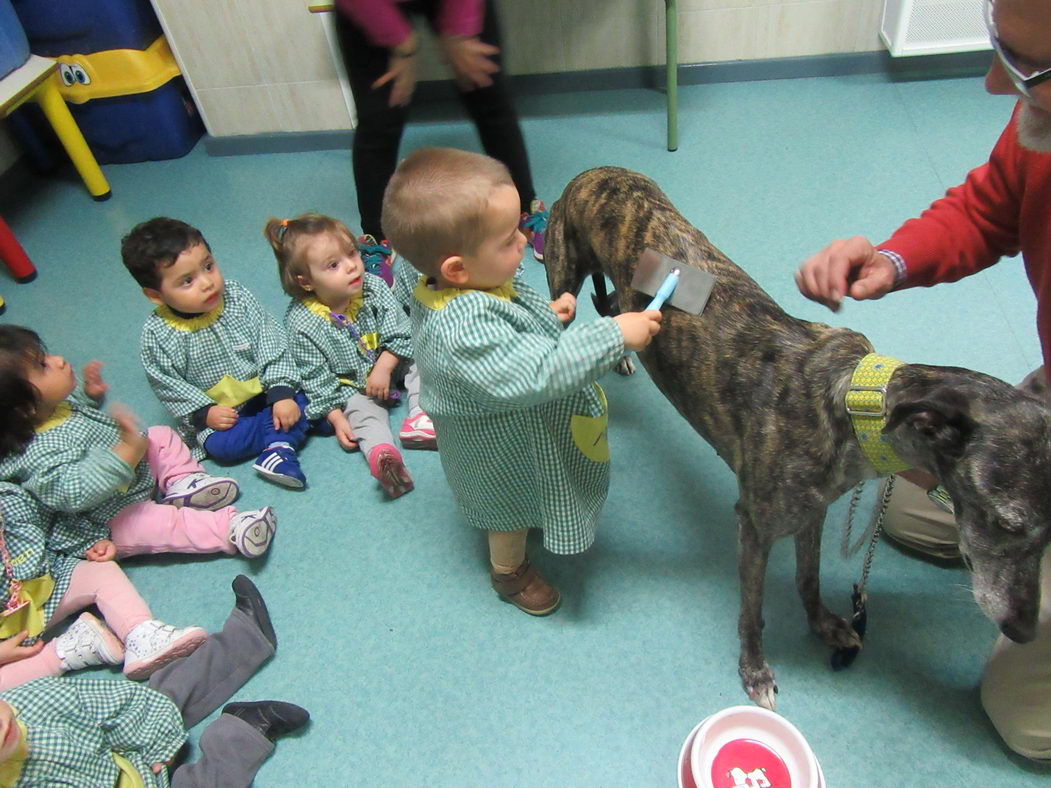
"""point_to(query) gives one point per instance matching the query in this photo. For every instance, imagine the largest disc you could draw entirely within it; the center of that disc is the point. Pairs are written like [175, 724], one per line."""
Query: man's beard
[1034, 129]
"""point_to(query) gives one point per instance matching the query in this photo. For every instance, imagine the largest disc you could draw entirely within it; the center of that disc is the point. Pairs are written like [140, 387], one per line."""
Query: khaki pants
[1016, 685]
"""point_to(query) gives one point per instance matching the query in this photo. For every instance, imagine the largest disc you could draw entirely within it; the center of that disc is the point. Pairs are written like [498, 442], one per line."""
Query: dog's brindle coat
[767, 391]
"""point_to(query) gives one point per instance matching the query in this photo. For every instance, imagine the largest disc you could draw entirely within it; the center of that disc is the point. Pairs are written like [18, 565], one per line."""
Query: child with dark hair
[104, 732]
[350, 338]
[214, 356]
[88, 465]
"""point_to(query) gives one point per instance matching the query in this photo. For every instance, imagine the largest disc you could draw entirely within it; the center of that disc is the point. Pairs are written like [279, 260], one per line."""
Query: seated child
[88, 465]
[214, 356]
[350, 339]
[520, 420]
[50, 588]
[97, 732]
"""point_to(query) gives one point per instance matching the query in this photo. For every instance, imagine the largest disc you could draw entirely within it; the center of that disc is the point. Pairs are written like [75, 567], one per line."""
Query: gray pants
[370, 419]
[231, 750]
[1016, 685]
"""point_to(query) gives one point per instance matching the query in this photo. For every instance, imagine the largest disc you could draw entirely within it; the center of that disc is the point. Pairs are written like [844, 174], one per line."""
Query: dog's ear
[940, 419]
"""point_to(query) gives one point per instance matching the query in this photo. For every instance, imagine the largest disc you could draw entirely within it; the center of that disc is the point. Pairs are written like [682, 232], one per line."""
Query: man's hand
[94, 386]
[11, 651]
[286, 414]
[565, 306]
[401, 72]
[639, 328]
[852, 267]
[102, 550]
[344, 434]
[470, 60]
[220, 417]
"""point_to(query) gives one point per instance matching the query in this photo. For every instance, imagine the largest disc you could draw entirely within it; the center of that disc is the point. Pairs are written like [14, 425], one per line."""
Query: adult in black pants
[379, 51]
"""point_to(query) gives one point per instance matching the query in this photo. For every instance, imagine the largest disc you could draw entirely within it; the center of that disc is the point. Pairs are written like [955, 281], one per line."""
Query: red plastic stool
[14, 256]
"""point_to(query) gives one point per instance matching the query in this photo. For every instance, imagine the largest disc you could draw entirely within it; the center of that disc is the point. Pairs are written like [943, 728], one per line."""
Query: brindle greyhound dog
[767, 391]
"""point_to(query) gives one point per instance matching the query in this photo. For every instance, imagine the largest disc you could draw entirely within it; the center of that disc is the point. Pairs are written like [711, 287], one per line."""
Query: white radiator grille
[927, 27]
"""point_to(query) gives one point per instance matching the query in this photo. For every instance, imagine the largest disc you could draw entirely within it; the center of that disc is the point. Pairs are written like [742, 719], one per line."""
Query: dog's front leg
[832, 629]
[753, 551]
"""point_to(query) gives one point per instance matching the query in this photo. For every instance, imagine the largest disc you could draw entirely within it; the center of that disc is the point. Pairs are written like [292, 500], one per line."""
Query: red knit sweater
[1001, 209]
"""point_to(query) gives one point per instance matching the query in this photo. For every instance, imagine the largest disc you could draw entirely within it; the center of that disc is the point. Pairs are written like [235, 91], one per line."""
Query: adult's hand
[401, 72]
[850, 267]
[470, 60]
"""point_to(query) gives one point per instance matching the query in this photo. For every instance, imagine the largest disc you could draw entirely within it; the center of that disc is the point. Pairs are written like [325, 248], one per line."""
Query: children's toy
[747, 747]
[14, 47]
[682, 286]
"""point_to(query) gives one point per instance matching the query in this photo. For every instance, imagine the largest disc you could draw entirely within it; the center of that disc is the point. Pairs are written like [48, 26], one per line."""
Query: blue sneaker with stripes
[280, 465]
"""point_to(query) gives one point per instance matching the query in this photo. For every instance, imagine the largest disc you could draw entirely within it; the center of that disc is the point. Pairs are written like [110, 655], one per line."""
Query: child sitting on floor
[350, 339]
[88, 465]
[99, 732]
[214, 356]
[44, 588]
[519, 418]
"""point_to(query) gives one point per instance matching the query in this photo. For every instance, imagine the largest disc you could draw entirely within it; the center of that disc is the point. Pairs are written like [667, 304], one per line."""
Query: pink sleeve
[970, 228]
[461, 17]
[381, 21]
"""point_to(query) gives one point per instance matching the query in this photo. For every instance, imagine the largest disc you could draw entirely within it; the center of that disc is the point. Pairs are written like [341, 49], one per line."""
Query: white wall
[258, 66]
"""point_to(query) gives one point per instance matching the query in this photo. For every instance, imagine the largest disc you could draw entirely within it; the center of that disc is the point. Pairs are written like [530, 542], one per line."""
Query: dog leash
[844, 657]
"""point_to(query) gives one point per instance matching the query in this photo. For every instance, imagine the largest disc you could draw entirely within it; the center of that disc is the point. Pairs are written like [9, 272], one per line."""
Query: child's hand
[132, 445]
[638, 328]
[157, 768]
[565, 306]
[94, 386]
[220, 417]
[286, 414]
[11, 651]
[344, 434]
[377, 384]
[102, 550]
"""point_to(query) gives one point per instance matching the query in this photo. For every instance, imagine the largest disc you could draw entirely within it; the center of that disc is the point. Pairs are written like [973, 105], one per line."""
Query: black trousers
[379, 130]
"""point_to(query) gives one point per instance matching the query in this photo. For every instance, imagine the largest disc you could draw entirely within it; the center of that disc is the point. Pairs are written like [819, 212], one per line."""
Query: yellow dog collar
[866, 403]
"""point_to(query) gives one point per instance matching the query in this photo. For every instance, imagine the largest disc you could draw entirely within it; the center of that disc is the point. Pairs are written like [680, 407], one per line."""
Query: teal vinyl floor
[414, 672]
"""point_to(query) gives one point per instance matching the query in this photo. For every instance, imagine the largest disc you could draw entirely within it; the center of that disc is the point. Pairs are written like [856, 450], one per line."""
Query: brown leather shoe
[526, 590]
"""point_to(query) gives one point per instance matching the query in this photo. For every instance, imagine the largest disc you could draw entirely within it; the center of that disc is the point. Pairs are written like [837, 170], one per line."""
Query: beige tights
[507, 549]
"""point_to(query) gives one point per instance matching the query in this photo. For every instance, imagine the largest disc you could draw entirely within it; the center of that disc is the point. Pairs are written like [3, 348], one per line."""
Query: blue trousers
[254, 431]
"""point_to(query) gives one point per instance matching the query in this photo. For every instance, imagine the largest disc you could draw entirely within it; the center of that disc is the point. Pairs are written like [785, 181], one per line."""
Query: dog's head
[990, 447]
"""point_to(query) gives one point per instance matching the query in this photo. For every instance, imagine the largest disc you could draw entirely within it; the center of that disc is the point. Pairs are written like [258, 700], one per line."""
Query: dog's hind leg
[833, 630]
[752, 554]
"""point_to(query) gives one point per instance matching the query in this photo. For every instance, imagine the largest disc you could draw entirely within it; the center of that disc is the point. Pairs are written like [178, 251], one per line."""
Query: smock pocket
[591, 433]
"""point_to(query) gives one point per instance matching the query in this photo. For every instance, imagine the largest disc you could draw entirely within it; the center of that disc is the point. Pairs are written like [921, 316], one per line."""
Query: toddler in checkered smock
[350, 340]
[518, 415]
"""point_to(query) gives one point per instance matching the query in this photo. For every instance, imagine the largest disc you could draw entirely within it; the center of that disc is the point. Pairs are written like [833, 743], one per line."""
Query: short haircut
[19, 348]
[154, 245]
[285, 237]
[435, 204]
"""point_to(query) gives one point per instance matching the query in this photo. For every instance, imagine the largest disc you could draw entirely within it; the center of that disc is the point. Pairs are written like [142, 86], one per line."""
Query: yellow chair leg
[58, 115]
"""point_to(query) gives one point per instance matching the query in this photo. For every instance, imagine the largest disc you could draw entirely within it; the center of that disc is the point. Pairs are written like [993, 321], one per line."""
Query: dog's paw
[760, 686]
[626, 366]
[835, 632]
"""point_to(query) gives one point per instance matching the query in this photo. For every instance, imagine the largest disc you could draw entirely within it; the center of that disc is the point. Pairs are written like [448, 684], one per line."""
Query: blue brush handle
[665, 290]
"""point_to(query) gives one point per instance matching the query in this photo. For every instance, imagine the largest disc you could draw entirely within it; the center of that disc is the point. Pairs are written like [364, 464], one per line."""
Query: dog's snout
[1017, 630]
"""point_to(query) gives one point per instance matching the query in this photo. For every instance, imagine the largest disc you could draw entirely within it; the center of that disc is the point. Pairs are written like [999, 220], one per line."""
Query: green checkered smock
[228, 348]
[26, 523]
[76, 726]
[331, 365]
[70, 465]
[405, 280]
[519, 419]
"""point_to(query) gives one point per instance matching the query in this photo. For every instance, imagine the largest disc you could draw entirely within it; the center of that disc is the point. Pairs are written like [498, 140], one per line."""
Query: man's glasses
[1025, 79]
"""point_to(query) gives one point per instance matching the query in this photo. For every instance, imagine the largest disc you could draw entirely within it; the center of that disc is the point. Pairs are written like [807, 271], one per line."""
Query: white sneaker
[252, 532]
[201, 491]
[88, 642]
[153, 644]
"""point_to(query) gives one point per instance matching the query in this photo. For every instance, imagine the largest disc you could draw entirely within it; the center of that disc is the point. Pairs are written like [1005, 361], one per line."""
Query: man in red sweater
[1001, 209]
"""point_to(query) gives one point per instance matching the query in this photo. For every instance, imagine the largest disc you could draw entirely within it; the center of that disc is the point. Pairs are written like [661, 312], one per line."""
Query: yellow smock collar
[62, 411]
[194, 323]
[866, 403]
[439, 299]
[321, 310]
[11, 769]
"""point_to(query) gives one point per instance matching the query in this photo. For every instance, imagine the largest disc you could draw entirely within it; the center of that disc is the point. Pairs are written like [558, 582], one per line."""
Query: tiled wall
[258, 66]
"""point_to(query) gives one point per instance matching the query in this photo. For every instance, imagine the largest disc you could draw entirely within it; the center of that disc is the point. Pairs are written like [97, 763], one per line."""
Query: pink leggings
[103, 584]
[149, 527]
